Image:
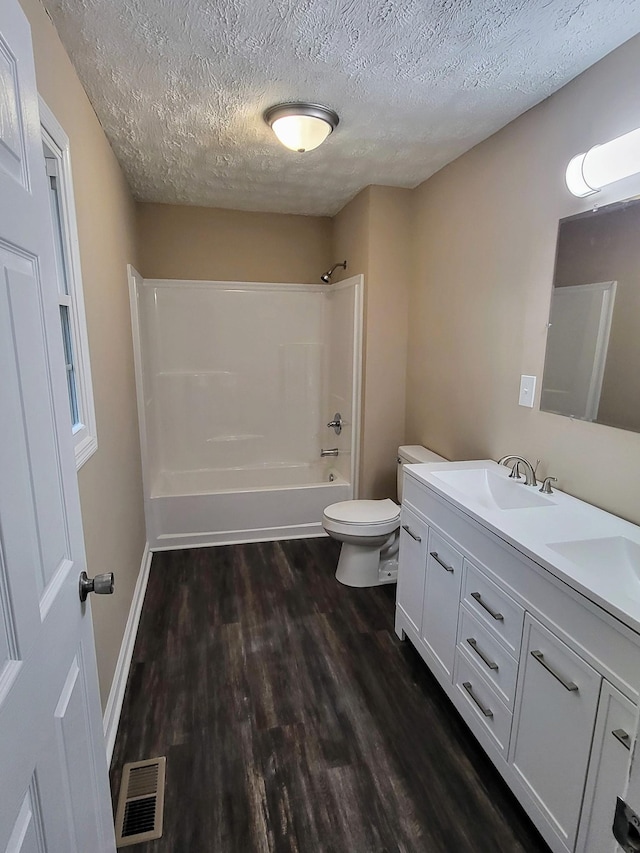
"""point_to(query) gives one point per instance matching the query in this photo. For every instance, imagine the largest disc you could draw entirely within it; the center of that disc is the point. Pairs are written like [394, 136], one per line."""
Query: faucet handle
[545, 488]
[336, 423]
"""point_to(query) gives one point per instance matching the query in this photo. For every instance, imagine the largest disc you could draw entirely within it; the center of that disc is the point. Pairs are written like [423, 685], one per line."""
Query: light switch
[527, 391]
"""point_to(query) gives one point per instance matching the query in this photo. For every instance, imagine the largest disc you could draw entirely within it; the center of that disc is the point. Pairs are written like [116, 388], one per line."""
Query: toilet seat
[362, 518]
[363, 512]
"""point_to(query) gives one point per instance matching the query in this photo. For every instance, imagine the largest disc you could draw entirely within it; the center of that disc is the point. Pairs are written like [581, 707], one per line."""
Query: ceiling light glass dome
[301, 127]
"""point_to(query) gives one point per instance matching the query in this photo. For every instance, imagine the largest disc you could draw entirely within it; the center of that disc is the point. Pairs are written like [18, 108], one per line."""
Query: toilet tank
[413, 453]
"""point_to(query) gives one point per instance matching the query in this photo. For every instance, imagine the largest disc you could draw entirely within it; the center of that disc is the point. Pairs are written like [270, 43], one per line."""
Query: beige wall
[178, 241]
[484, 255]
[351, 237]
[373, 232]
[110, 481]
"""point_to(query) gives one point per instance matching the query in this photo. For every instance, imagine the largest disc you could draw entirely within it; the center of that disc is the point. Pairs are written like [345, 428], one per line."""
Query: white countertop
[594, 552]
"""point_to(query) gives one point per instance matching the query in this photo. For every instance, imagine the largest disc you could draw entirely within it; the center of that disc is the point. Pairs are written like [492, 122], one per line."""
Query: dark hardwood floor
[293, 719]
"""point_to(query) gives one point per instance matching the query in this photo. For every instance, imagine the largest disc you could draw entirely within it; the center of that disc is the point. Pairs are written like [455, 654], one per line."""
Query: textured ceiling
[180, 86]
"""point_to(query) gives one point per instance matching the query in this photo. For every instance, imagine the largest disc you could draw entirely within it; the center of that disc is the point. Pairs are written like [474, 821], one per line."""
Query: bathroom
[457, 277]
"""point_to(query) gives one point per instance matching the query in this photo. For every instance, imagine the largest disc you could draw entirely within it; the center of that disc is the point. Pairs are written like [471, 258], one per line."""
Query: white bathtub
[216, 507]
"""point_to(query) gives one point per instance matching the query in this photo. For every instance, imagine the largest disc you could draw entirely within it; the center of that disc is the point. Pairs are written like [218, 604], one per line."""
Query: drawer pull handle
[498, 616]
[447, 568]
[568, 685]
[469, 688]
[623, 737]
[474, 645]
[411, 533]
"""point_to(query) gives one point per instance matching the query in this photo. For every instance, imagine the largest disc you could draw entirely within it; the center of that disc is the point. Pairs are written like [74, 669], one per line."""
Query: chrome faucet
[332, 452]
[529, 473]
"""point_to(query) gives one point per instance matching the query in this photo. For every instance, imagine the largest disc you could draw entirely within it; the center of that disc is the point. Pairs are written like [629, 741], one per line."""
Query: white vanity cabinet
[545, 679]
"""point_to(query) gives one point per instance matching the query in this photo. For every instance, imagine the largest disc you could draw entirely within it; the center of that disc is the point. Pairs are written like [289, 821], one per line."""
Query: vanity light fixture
[301, 127]
[603, 164]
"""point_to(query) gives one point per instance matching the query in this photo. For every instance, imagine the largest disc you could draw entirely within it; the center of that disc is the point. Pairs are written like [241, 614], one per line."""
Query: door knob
[101, 584]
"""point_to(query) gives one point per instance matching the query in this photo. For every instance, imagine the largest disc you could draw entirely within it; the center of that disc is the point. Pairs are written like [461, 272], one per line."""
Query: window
[55, 144]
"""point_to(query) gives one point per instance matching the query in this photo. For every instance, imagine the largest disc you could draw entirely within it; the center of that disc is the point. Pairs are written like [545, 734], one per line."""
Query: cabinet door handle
[411, 533]
[568, 685]
[474, 645]
[491, 612]
[469, 688]
[447, 568]
[623, 737]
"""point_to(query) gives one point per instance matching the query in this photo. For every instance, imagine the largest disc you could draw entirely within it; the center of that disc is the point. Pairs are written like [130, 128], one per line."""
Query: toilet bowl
[368, 530]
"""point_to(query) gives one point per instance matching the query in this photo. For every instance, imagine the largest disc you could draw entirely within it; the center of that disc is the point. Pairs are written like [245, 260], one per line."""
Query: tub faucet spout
[332, 452]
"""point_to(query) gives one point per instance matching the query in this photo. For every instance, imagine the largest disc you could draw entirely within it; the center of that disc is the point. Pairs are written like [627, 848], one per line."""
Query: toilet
[369, 530]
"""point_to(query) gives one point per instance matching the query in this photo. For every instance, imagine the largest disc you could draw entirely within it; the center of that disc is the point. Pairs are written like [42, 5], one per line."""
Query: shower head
[327, 276]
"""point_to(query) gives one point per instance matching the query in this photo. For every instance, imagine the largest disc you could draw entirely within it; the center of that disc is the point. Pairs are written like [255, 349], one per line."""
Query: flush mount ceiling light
[604, 164]
[301, 127]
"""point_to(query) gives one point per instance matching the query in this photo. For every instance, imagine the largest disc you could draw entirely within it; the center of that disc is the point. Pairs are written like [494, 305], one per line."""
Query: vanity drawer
[495, 609]
[486, 708]
[489, 655]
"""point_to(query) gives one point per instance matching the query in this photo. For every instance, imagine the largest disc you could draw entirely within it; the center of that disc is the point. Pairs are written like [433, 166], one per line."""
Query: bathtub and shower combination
[236, 383]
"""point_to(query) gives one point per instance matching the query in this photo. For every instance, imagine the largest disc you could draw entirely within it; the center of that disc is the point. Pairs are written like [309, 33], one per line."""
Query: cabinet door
[441, 601]
[412, 564]
[556, 703]
[608, 769]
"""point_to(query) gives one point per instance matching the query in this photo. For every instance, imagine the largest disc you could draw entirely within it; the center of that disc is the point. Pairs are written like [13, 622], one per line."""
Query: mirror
[592, 362]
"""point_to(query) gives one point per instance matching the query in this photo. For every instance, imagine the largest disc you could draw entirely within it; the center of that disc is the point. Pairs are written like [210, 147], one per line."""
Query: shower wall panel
[235, 374]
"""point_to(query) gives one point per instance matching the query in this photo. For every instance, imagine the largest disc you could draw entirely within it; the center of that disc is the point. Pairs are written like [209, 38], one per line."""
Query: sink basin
[491, 490]
[605, 559]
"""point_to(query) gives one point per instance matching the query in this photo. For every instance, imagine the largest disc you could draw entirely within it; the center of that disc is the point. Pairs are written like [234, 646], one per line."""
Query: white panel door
[54, 793]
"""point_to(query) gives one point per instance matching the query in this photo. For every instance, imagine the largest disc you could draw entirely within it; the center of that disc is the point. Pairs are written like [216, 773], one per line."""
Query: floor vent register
[141, 802]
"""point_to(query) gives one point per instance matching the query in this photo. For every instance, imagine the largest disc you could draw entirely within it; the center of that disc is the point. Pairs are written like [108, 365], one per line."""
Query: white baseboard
[119, 683]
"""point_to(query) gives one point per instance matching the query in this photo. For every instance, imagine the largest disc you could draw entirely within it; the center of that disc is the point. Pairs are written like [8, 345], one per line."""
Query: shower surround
[236, 382]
